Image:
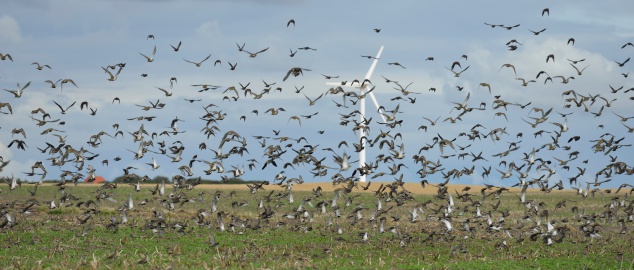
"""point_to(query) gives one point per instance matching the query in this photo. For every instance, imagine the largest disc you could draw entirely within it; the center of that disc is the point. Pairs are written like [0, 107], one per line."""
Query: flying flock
[528, 161]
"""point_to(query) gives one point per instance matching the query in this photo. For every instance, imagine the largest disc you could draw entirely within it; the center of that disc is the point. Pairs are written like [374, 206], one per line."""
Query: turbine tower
[363, 88]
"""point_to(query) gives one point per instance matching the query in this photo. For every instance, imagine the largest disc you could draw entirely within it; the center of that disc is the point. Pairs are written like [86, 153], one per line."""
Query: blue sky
[77, 38]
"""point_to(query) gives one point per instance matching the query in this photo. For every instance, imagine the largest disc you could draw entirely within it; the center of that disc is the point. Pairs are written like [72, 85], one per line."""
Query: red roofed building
[98, 179]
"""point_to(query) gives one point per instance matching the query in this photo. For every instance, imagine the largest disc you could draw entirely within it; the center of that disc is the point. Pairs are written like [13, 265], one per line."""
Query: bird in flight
[508, 66]
[537, 32]
[112, 77]
[623, 63]
[253, 55]
[5, 56]
[457, 74]
[312, 101]
[571, 40]
[151, 58]
[240, 48]
[65, 81]
[579, 71]
[396, 64]
[18, 92]
[62, 109]
[291, 21]
[178, 47]
[295, 71]
[198, 63]
[40, 67]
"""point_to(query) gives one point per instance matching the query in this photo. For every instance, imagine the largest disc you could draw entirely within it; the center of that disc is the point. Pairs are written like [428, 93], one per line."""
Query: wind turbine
[363, 88]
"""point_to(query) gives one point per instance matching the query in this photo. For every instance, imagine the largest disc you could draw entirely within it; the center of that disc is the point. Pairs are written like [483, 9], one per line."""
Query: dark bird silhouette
[537, 32]
[20, 144]
[178, 47]
[240, 48]
[396, 64]
[295, 71]
[623, 63]
[62, 109]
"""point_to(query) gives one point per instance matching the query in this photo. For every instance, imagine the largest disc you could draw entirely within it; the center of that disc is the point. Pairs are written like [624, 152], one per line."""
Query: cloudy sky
[77, 38]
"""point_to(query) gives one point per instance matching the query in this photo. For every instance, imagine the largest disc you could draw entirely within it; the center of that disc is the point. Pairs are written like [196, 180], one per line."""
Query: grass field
[588, 232]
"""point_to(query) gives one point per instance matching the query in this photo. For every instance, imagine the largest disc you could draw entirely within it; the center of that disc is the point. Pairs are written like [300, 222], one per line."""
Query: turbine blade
[376, 60]
[376, 104]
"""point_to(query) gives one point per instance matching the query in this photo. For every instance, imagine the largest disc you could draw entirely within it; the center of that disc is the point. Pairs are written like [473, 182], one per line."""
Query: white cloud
[10, 30]
[208, 29]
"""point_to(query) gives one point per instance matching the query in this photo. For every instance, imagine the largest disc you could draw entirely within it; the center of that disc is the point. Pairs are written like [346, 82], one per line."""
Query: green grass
[52, 239]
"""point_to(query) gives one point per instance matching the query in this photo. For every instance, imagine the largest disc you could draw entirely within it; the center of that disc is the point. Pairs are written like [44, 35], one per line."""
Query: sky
[79, 38]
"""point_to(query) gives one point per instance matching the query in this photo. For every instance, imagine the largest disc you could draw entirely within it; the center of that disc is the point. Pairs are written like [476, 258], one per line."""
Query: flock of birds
[526, 162]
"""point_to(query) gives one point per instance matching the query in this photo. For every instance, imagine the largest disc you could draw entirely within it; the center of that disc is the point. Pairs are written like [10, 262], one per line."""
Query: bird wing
[206, 58]
[287, 74]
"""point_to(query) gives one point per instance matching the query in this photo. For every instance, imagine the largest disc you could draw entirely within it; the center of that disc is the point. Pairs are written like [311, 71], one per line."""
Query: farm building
[98, 179]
